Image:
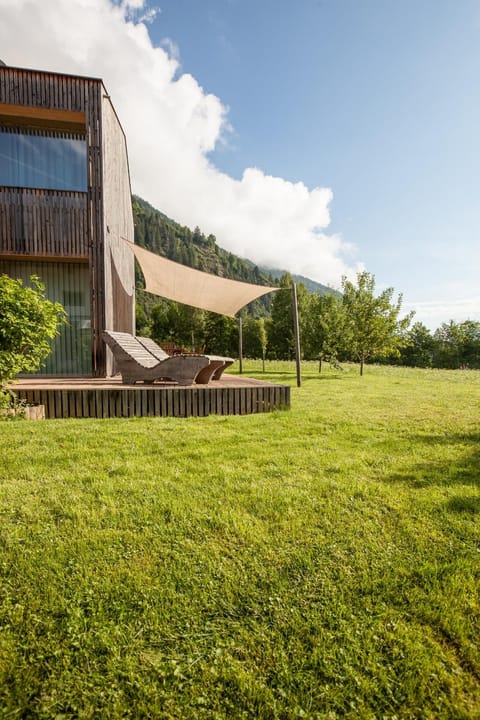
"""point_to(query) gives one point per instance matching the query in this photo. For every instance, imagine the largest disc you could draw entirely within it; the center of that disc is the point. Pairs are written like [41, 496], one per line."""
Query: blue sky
[319, 136]
[377, 100]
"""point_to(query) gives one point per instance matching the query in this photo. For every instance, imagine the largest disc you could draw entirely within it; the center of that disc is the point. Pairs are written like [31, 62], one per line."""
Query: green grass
[318, 563]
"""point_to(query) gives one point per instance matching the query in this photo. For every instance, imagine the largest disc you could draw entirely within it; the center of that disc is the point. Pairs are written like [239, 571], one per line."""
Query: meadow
[316, 563]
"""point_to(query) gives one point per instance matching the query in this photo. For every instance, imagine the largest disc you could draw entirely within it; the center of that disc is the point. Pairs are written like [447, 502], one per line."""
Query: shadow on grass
[463, 504]
[286, 376]
[464, 469]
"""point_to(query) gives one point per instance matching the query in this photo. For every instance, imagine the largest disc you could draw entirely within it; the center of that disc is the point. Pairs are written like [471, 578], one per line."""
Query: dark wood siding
[37, 89]
[42, 89]
[96, 228]
[43, 223]
[155, 401]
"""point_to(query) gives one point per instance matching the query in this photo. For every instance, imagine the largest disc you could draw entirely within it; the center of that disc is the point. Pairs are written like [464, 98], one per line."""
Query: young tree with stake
[371, 324]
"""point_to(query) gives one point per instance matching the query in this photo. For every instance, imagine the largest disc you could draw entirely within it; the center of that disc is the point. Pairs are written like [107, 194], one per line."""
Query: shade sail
[185, 285]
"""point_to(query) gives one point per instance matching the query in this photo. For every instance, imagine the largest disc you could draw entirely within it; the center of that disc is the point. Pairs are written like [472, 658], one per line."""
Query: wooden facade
[43, 223]
[71, 226]
[106, 399]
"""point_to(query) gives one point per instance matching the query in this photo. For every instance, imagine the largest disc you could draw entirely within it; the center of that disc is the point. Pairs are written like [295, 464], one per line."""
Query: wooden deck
[107, 397]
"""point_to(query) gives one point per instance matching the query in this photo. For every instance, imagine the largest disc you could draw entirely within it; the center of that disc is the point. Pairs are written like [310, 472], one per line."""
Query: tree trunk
[319, 364]
[361, 366]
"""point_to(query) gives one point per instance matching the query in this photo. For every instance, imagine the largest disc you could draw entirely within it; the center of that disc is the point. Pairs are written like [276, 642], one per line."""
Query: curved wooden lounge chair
[213, 371]
[136, 364]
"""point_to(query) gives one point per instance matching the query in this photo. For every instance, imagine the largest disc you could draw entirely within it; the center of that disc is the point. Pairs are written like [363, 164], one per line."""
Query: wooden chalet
[65, 208]
[65, 214]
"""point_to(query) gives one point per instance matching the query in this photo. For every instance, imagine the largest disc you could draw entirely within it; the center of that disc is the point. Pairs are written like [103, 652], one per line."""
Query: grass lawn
[322, 562]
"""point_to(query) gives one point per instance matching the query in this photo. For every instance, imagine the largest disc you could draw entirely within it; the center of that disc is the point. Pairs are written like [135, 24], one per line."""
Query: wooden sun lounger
[136, 364]
[221, 363]
[212, 371]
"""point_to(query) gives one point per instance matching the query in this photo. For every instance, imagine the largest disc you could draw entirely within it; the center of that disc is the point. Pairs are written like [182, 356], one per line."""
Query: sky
[323, 137]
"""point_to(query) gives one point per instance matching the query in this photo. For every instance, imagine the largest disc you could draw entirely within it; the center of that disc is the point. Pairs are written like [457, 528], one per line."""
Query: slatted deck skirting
[92, 398]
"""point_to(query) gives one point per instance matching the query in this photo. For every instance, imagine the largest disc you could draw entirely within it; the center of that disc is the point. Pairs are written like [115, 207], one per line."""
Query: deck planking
[108, 398]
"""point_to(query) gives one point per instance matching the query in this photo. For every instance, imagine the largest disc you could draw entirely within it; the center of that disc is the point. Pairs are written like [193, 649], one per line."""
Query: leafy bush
[28, 322]
[11, 408]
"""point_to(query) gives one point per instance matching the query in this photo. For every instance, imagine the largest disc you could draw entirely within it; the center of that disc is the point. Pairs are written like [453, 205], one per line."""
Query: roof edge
[50, 72]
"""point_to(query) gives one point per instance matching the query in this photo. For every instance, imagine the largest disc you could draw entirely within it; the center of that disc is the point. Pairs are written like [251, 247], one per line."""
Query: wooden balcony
[43, 223]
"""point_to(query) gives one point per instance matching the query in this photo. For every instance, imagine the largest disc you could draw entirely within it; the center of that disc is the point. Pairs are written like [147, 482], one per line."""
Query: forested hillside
[163, 236]
[160, 234]
[181, 324]
[311, 285]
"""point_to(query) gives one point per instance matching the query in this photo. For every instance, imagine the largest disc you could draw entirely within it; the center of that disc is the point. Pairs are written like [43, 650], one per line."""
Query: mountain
[158, 233]
[162, 235]
[311, 285]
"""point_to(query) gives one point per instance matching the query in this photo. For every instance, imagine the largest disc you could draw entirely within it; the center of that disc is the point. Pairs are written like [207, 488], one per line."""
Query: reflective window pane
[52, 161]
[69, 284]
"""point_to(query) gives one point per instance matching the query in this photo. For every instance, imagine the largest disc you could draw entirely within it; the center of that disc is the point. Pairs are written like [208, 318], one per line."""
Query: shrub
[28, 322]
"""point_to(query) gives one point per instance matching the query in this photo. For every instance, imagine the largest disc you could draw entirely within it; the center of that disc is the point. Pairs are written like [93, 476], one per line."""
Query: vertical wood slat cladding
[43, 222]
[118, 224]
[64, 92]
[158, 402]
[43, 89]
[95, 225]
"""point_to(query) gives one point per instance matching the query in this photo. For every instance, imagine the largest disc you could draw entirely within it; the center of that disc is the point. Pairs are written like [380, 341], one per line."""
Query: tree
[323, 335]
[457, 344]
[142, 326]
[221, 335]
[160, 327]
[470, 343]
[28, 321]
[188, 324]
[419, 347]
[254, 338]
[280, 330]
[263, 340]
[448, 338]
[372, 324]
[252, 346]
[178, 323]
[281, 341]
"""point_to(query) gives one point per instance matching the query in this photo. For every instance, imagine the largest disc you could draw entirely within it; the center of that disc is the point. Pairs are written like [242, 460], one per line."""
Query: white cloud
[137, 11]
[171, 125]
[172, 48]
[434, 313]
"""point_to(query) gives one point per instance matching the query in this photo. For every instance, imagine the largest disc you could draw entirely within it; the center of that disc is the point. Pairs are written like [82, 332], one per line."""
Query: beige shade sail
[185, 285]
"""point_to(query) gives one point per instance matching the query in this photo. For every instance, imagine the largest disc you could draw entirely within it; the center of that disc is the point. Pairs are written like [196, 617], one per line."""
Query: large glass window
[39, 159]
[67, 283]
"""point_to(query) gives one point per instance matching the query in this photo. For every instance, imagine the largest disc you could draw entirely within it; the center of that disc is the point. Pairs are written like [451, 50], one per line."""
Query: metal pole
[297, 333]
[240, 344]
